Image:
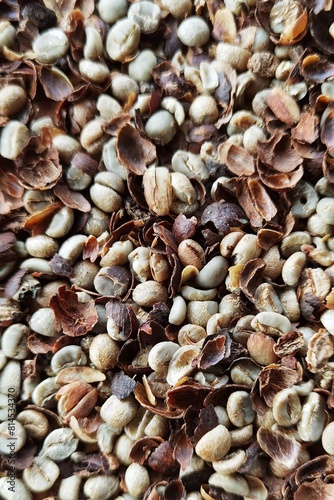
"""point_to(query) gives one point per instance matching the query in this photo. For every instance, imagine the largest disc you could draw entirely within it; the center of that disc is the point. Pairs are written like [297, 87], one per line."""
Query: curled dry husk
[254, 193]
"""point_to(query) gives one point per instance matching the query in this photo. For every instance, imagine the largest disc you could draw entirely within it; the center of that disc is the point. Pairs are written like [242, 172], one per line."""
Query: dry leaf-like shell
[327, 131]
[133, 151]
[283, 450]
[38, 164]
[255, 201]
[307, 129]
[320, 23]
[74, 318]
[279, 181]
[224, 215]
[316, 69]
[251, 277]
[285, 20]
[238, 160]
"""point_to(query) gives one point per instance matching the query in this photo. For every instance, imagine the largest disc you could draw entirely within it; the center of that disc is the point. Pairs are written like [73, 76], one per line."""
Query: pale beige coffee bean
[160, 267]
[123, 40]
[12, 430]
[230, 463]
[190, 164]
[43, 322]
[35, 201]
[325, 209]
[7, 34]
[72, 248]
[122, 87]
[252, 136]
[178, 311]
[191, 293]
[149, 293]
[103, 352]
[19, 490]
[37, 125]
[191, 253]
[118, 413]
[146, 14]
[182, 187]
[140, 69]
[93, 136]
[199, 312]
[232, 483]
[136, 479]
[327, 438]
[161, 126]
[108, 108]
[93, 47]
[261, 348]
[41, 246]
[117, 254]
[106, 436]
[10, 378]
[14, 138]
[286, 407]
[160, 355]
[34, 422]
[45, 391]
[13, 341]
[59, 444]
[191, 334]
[110, 12]
[178, 8]
[12, 99]
[112, 281]
[292, 268]
[69, 488]
[83, 275]
[246, 249]
[67, 146]
[304, 200]
[41, 474]
[158, 192]
[244, 372]
[61, 223]
[50, 45]
[181, 364]
[215, 444]
[257, 489]
[94, 71]
[97, 223]
[327, 319]
[157, 426]
[313, 418]
[69, 355]
[213, 273]
[122, 449]
[271, 323]
[203, 110]
[241, 435]
[193, 31]
[106, 191]
[101, 487]
[266, 298]
[239, 409]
